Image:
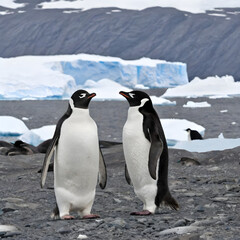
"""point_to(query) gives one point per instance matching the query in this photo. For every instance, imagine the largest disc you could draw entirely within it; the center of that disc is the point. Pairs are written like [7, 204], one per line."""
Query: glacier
[129, 73]
[57, 77]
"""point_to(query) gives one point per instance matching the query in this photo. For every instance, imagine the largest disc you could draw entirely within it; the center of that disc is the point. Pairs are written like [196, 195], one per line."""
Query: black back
[153, 131]
[194, 135]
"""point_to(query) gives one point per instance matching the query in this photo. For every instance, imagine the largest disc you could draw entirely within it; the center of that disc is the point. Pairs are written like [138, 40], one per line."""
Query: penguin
[193, 135]
[146, 154]
[189, 161]
[77, 160]
[21, 148]
[4, 147]
[42, 147]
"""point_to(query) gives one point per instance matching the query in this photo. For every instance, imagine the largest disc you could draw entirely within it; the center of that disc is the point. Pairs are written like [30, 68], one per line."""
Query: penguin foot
[67, 217]
[91, 216]
[143, 213]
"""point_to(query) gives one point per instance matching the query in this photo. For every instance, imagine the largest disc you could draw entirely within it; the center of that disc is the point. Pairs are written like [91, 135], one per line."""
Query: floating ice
[191, 104]
[175, 129]
[38, 135]
[211, 144]
[211, 86]
[11, 126]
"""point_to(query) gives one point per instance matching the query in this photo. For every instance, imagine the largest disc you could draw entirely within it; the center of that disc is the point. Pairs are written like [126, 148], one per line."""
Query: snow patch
[11, 4]
[196, 6]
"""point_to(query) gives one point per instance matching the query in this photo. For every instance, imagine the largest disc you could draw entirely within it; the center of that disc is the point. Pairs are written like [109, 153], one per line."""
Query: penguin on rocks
[78, 161]
[146, 154]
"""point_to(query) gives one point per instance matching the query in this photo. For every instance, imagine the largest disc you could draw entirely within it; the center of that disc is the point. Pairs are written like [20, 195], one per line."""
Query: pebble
[200, 209]
[180, 230]
[63, 230]
[82, 236]
[8, 231]
[118, 223]
[180, 223]
[117, 200]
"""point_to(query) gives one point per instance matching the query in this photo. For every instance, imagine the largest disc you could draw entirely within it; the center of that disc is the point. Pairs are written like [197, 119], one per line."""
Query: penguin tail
[55, 213]
[167, 200]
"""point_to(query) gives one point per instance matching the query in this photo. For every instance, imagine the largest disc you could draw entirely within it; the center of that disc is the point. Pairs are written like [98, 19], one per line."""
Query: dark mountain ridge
[208, 44]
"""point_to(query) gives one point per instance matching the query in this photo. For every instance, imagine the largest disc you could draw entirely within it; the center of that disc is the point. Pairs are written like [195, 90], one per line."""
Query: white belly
[136, 151]
[77, 161]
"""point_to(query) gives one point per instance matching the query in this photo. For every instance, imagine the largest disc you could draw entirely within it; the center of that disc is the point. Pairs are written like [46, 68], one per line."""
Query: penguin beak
[92, 95]
[125, 94]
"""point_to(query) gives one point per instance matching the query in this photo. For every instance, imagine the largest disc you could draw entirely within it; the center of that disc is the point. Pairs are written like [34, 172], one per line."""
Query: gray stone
[64, 230]
[179, 223]
[118, 223]
[200, 209]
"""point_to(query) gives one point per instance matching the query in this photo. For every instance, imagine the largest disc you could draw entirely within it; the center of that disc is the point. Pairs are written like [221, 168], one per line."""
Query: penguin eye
[83, 95]
[131, 95]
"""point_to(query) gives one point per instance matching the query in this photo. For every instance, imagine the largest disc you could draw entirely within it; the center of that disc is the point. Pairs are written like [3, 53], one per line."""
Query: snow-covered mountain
[203, 34]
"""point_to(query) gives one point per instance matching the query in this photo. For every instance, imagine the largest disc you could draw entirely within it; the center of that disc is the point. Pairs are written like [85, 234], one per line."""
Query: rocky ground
[208, 194]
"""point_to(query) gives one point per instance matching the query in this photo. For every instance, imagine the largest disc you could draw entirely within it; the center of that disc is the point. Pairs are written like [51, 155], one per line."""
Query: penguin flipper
[52, 145]
[155, 152]
[102, 171]
[127, 176]
[47, 160]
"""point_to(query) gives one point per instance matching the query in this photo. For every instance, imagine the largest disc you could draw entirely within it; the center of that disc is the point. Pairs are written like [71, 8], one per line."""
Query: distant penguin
[189, 161]
[21, 148]
[77, 160]
[4, 147]
[146, 154]
[42, 147]
[193, 135]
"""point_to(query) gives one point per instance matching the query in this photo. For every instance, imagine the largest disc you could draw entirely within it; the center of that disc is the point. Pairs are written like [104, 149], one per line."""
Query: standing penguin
[146, 154]
[77, 159]
[193, 135]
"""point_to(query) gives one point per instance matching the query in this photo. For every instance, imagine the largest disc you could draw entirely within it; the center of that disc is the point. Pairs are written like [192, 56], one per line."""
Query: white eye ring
[83, 95]
[131, 95]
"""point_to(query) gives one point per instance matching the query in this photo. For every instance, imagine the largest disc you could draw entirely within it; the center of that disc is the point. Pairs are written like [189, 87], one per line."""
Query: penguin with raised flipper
[77, 160]
[146, 154]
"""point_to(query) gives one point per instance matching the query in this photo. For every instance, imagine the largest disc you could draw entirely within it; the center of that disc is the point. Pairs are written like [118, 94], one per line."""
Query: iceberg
[56, 77]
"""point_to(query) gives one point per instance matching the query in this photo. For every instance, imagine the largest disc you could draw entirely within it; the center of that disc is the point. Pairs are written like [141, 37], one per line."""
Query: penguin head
[81, 99]
[188, 130]
[136, 98]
